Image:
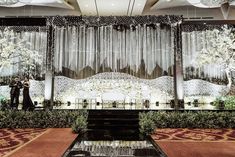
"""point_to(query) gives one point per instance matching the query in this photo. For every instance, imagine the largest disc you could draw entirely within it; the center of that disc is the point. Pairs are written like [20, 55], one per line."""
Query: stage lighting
[146, 103]
[157, 103]
[189, 103]
[181, 103]
[114, 104]
[85, 103]
[35, 103]
[221, 105]
[195, 102]
[172, 103]
[68, 103]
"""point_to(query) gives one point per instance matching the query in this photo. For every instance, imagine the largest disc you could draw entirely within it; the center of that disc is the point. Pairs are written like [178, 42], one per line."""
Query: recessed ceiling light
[113, 4]
[86, 5]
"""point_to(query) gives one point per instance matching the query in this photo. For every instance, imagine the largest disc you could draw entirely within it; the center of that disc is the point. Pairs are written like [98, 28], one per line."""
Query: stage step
[114, 121]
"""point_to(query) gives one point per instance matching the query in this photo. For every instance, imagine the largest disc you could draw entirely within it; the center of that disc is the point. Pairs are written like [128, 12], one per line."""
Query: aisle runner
[11, 139]
[194, 135]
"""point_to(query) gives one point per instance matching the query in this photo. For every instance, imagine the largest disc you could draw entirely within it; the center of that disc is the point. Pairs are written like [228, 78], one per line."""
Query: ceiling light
[8, 2]
[113, 4]
[209, 3]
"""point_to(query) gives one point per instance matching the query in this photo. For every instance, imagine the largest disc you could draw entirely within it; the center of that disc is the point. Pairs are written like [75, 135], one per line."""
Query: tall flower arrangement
[220, 49]
[15, 49]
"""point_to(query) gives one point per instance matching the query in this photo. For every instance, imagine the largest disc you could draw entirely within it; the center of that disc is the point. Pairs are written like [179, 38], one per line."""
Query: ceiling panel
[47, 3]
[164, 4]
[111, 7]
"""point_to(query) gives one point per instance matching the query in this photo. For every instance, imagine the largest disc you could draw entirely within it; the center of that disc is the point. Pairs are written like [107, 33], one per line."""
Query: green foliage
[229, 102]
[146, 123]
[39, 119]
[80, 123]
[177, 119]
[3, 103]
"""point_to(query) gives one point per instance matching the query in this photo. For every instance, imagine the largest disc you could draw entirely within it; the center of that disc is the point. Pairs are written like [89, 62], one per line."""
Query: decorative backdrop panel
[112, 86]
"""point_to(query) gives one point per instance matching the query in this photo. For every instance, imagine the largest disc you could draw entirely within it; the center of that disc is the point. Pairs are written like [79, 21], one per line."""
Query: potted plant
[80, 124]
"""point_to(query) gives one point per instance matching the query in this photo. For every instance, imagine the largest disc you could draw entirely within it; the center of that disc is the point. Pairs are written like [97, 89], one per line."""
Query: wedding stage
[130, 63]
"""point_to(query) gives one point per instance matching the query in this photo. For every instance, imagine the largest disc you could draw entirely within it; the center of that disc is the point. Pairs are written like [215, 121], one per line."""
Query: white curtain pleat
[192, 44]
[106, 47]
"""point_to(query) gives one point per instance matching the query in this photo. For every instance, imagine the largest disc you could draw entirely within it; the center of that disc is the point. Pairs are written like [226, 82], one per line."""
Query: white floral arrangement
[220, 50]
[15, 49]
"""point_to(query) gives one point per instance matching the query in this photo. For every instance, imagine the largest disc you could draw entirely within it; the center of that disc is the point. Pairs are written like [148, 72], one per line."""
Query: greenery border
[149, 121]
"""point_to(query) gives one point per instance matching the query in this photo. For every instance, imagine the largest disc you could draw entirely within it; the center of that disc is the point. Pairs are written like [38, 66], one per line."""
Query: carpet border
[18, 148]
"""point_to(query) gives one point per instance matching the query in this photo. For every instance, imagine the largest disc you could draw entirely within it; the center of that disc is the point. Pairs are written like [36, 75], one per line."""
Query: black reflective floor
[109, 144]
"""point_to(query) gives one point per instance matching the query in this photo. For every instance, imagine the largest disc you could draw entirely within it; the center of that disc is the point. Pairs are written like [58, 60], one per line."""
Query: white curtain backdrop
[114, 48]
[36, 41]
[192, 43]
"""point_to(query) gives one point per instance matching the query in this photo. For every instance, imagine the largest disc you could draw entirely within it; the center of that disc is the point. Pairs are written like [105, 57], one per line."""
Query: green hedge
[148, 121]
[39, 119]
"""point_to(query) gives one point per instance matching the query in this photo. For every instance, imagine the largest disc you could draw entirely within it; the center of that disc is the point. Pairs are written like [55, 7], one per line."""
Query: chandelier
[8, 2]
[215, 2]
[13, 2]
[210, 3]
[224, 5]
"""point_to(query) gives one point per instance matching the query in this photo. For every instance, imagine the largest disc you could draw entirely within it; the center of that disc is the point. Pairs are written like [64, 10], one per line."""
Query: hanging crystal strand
[77, 49]
[107, 42]
[104, 48]
[148, 49]
[124, 34]
[118, 50]
[93, 49]
[137, 50]
[193, 51]
[89, 48]
[66, 48]
[198, 43]
[39, 51]
[84, 52]
[164, 47]
[111, 55]
[144, 47]
[130, 53]
[80, 50]
[154, 52]
[96, 44]
[61, 47]
[101, 53]
[168, 50]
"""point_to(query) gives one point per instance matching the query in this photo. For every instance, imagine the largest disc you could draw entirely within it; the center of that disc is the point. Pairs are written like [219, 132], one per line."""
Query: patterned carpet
[11, 139]
[200, 135]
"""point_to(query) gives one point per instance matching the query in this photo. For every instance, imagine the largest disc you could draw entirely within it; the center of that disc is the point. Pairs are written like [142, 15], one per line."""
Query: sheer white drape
[115, 48]
[192, 43]
[36, 41]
